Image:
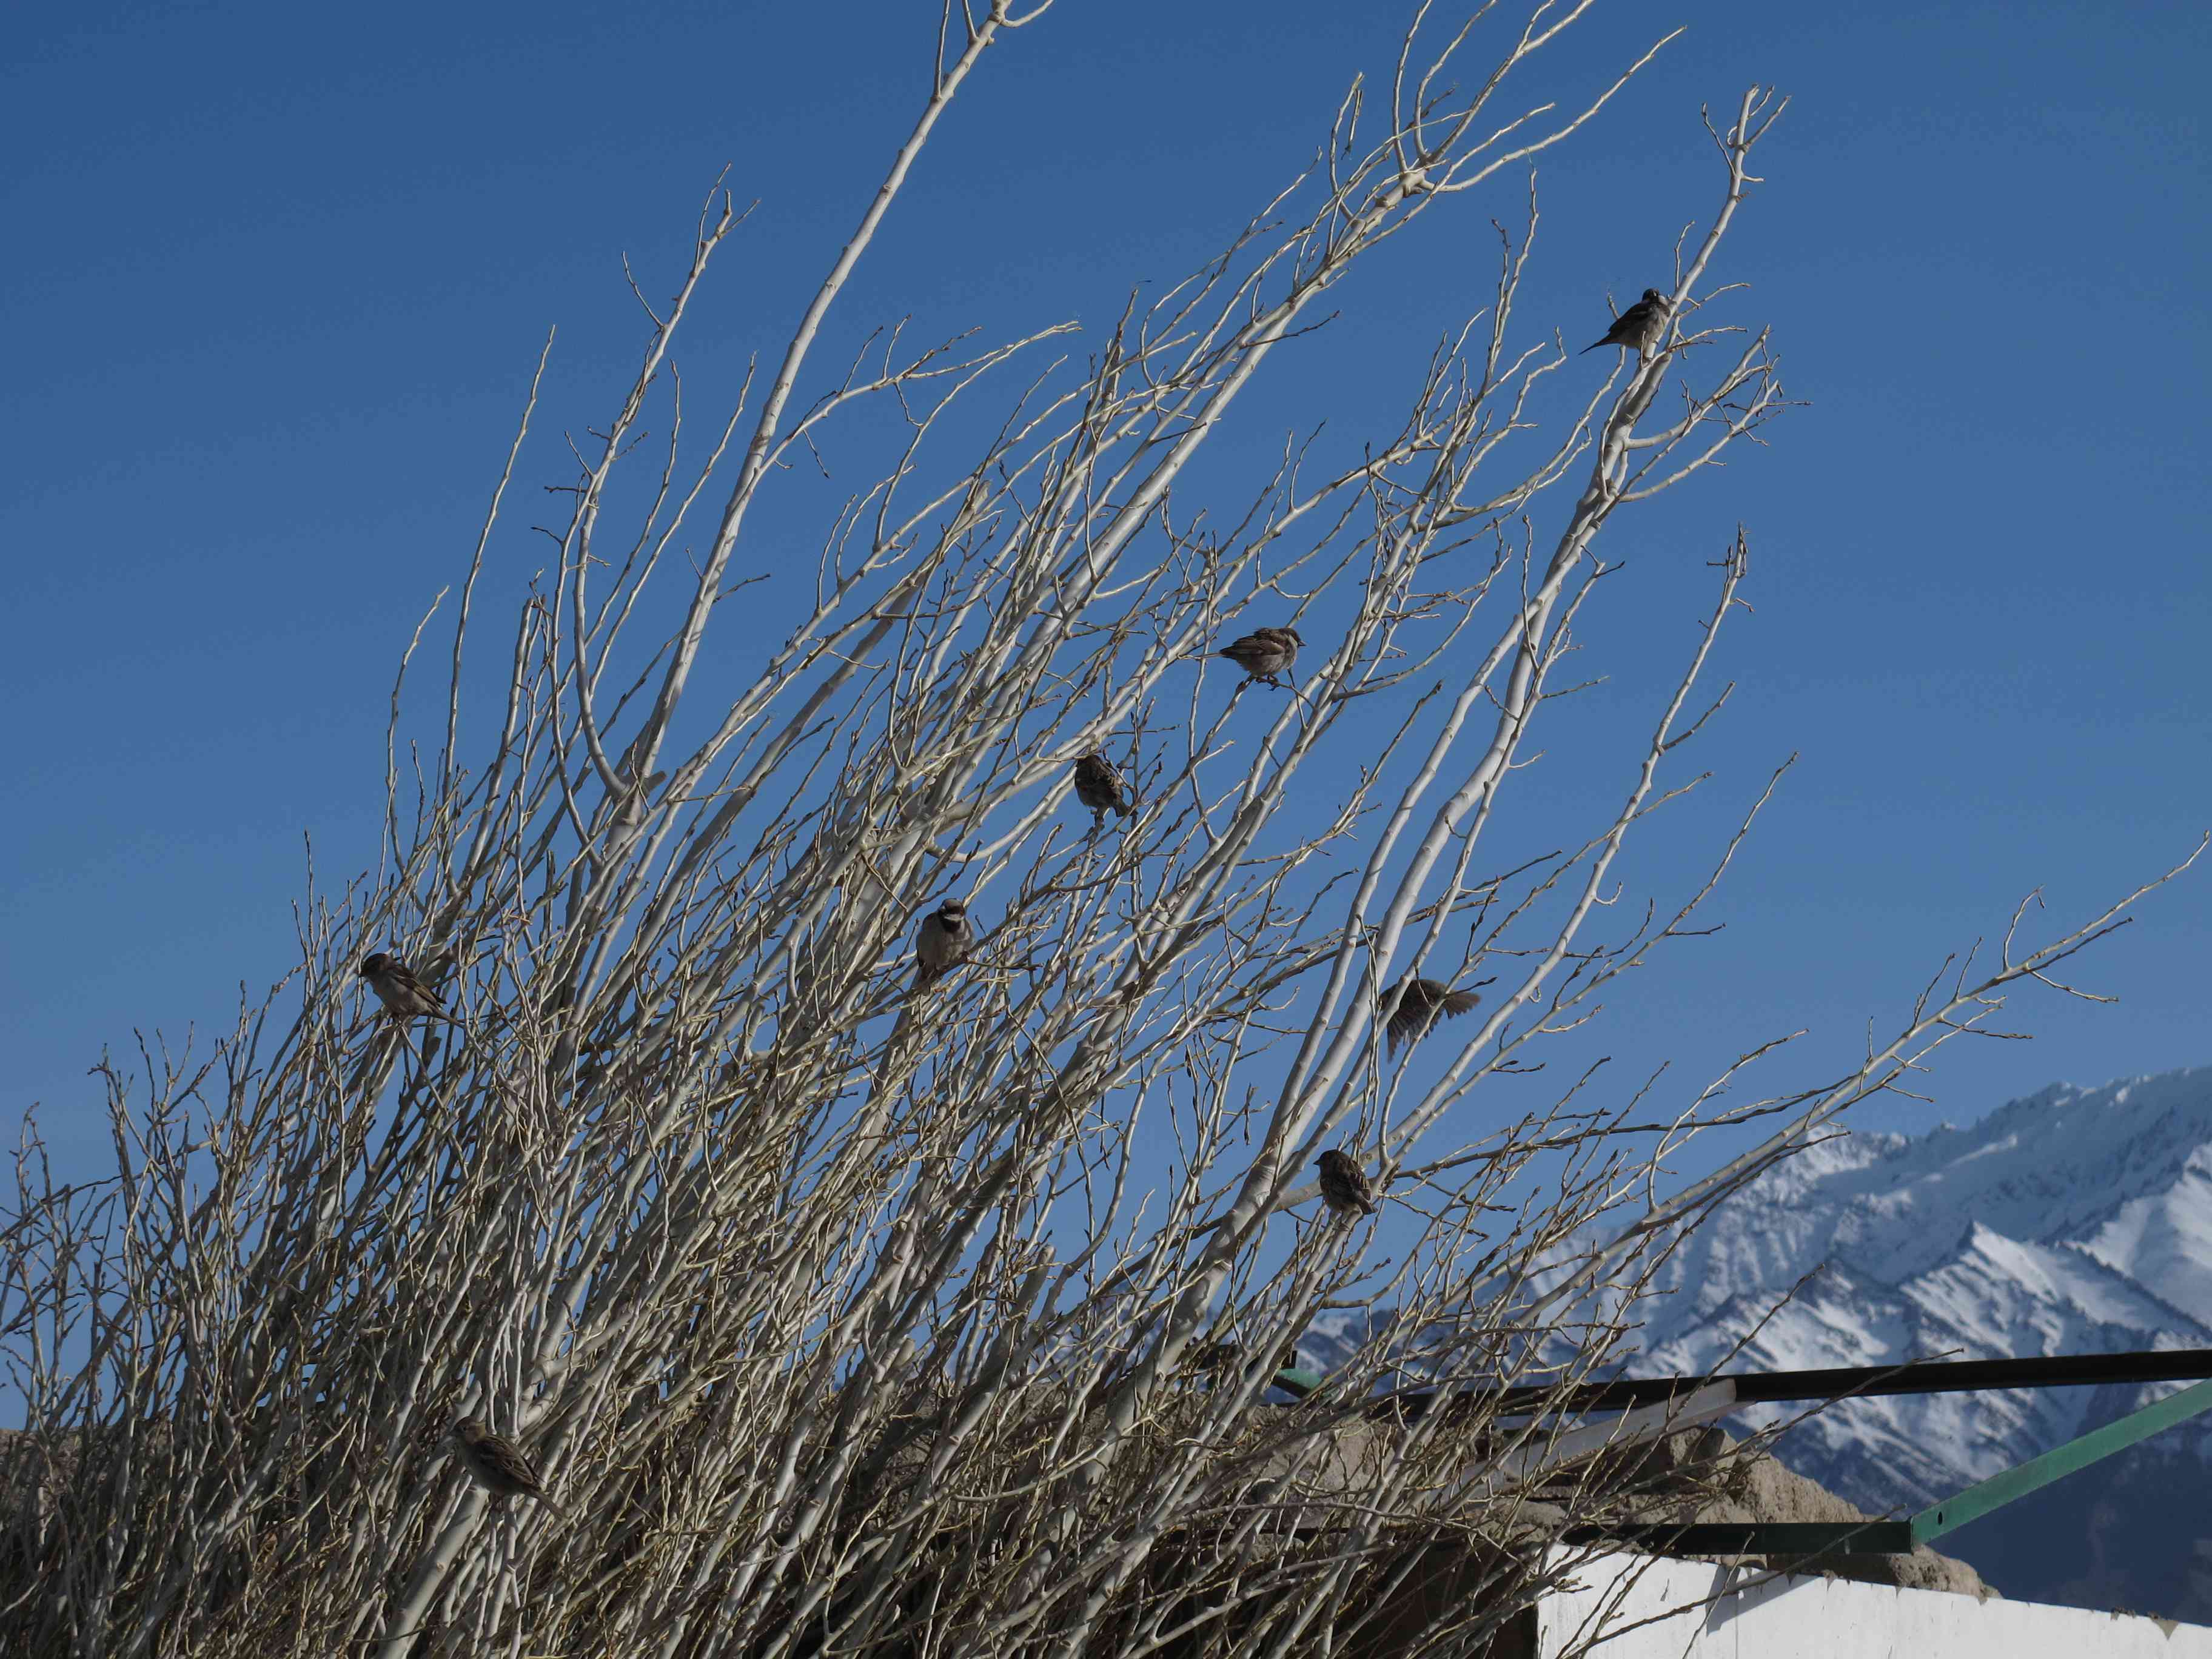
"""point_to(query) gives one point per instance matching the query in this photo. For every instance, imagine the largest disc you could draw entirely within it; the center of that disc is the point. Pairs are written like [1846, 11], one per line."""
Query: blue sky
[278, 276]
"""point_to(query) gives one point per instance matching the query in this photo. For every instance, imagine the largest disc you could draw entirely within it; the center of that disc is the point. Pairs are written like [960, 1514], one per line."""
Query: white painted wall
[1661, 1609]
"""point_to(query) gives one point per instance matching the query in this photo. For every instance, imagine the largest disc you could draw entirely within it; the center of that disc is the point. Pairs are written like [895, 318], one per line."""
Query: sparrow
[404, 996]
[496, 1463]
[1344, 1185]
[1099, 785]
[1218, 1358]
[943, 938]
[1264, 653]
[1639, 328]
[1421, 1003]
[1210, 1358]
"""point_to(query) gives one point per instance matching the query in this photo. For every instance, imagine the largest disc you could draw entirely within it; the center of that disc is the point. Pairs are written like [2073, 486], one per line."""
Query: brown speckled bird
[1344, 1185]
[1421, 1004]
[404, 996]
[1264, 653]
[496, 1463]
[1640, 327]
[1100, 786]
[940, 942]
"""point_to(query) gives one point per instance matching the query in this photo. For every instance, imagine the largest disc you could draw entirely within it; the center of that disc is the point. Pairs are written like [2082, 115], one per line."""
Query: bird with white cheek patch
[941, 941]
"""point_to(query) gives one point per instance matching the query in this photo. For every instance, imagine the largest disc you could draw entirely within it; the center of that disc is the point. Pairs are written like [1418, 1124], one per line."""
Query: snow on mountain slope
[2127, 1166]
[2075, 1221]
[2165, 1239]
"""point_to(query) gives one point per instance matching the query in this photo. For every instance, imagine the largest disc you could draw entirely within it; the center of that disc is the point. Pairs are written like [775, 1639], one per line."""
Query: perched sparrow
[496, 1463]
[1211, 1358]
[1640, 327]
[1264, 653]
[404, 996]
[942, 939]
[1421, 1003]
[1099, 785]
[1344, 1185]
[1215, 1358]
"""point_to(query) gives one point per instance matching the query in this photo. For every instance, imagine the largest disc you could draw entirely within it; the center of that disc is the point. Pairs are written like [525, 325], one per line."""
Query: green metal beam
[2000, 1490]
[1900, 1537]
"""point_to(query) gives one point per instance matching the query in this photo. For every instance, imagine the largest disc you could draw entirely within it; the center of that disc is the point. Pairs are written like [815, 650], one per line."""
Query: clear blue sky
[277, 277]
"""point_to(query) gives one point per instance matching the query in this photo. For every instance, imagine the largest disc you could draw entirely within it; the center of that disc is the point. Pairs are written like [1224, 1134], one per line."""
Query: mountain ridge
[2073, 1220]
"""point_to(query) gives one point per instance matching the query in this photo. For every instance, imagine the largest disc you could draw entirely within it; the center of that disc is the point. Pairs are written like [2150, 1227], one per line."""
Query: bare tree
[842, 1307]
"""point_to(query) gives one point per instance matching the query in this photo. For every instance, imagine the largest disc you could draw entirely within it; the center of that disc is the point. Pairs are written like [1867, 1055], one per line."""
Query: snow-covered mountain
[2075, 1221]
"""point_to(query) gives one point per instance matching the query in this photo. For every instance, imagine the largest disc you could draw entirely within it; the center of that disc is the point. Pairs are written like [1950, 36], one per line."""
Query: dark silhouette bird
[497, 1464]
[1344, 1185]
[940, 942]
[1100, 786]
[1264, 653]
[1212, 1359]
[1640, 327]
[1219, 1358]
[1421, 1004]
[404, 996]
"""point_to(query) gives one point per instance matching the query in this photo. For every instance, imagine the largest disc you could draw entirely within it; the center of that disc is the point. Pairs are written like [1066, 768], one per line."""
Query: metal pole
[2001, 1489]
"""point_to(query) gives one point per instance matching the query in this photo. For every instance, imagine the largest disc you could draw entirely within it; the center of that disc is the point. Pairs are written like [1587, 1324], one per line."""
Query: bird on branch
[497, 1464]
[1345, 1186]
[1100, 786]
[404, 997]
[941, 941]
[1219, 1358]
[1264, 653]
[1639, 328]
